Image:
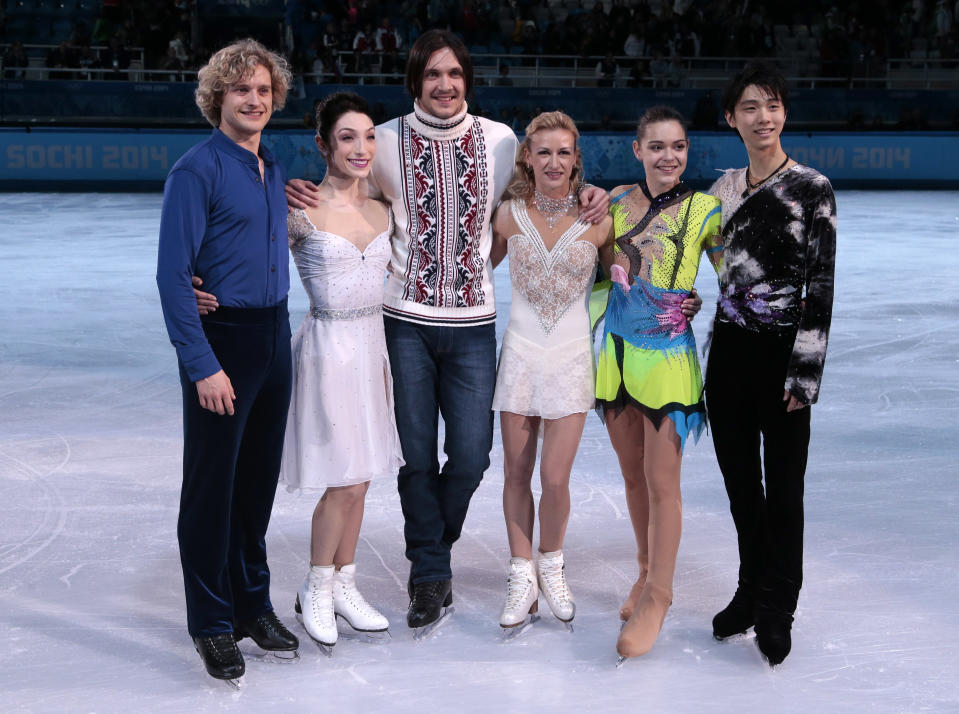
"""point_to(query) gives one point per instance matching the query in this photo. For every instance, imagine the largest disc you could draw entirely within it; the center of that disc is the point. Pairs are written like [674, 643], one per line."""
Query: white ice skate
[551, 574]
[350, 606]
[522, 598]
[314, 605]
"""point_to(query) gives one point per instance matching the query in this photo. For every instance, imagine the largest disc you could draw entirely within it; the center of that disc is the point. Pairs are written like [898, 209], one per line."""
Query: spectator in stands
[944, 17]
[364, 42]
[173, 63]
[503, 79]
[639, 74]
[327, 68]
[116, 58]
[180, 49]
[15, 61]
[659, 68]
[88, 60]
[388, 43]
[61, 56]
[606, 70]
[635, 45]
[332, 37]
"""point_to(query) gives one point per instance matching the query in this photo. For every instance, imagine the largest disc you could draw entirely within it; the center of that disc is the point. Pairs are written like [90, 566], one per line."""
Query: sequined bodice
[549, 286]
[335, 273]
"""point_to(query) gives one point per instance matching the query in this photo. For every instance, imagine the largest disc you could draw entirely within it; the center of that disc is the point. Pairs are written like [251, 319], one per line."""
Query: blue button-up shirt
[220, 221]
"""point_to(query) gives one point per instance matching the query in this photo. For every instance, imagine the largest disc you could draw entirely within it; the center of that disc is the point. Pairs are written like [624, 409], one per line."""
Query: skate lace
[554, 577]
[358, 602]
[270, 621]
[517, 588]
[322, 608]
[223, 647]
[427, 592]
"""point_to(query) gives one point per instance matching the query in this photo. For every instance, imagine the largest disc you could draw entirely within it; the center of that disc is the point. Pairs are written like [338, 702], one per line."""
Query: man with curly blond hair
[224, 221]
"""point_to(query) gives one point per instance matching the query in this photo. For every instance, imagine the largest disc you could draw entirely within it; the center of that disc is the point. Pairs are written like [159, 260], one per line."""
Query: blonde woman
[545, 375]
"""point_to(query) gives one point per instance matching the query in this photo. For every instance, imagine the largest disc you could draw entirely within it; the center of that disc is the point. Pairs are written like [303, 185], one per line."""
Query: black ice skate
[737, 617]
[271, 635]
[430, 605]
[221, 657]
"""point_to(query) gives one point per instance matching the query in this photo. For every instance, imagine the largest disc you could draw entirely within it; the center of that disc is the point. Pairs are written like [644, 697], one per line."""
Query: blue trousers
[448, 371]
[230, 469]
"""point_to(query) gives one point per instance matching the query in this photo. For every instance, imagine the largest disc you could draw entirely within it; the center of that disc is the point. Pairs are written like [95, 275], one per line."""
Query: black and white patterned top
[778, 265]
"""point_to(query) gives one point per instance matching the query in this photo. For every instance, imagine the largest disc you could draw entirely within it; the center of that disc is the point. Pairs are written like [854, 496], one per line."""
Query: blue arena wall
[131, 159]
[161, 104]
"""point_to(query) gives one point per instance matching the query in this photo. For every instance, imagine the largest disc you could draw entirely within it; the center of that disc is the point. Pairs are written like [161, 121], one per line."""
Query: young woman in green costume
[648, 383]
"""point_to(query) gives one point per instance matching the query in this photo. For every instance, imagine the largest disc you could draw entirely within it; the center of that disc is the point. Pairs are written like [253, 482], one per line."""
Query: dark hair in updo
[656, 114]
[335, 106]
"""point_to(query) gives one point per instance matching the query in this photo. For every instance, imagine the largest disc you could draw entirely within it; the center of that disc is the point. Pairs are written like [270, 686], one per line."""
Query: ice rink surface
[91, 599]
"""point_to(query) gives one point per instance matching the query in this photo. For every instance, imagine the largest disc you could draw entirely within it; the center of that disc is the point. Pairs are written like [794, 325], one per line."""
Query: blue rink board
[118, 160]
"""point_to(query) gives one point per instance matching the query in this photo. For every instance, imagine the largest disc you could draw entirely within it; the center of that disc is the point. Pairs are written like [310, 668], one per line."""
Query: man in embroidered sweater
[443, 171]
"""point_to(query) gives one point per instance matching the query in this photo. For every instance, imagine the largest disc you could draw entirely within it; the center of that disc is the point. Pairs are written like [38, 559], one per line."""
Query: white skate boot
[314, 604]
[350, 605]
[522, 595]
[551, 574]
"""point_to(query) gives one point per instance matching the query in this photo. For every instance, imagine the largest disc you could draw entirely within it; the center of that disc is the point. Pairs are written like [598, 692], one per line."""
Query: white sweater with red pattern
[442, 178]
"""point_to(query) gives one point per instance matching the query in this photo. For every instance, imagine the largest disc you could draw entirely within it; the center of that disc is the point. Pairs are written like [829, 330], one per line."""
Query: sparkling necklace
[553, 209]
[754, 186]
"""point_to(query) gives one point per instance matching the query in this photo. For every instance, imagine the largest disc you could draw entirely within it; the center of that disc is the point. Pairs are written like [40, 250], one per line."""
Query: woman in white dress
[545, 375]
[341, 431]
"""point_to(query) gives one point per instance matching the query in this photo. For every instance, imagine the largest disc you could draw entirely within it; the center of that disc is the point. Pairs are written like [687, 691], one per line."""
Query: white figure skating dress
[341, 429]
[546, 362]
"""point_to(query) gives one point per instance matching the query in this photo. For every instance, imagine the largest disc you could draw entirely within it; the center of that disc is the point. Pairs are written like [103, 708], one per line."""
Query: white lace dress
[340, 429]
[546, 362]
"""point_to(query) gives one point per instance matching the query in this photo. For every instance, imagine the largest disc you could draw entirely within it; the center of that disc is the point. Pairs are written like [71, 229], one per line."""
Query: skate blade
[370, 637]
[321, 646]
[516, 631]
[422, 633]
[234, 684]
[620, 661]
[324, 648]
[274, 657]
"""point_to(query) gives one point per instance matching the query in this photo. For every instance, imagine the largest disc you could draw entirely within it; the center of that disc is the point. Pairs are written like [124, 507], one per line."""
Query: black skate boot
[220, 656]
[428, 605]
[271, 635]
[773, 637]
[737, 617]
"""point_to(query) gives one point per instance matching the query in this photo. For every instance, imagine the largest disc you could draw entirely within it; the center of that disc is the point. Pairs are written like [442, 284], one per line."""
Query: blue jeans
[449, 371]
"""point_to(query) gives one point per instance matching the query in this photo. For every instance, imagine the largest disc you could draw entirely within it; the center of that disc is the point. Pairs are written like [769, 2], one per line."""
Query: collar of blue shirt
[246, 156]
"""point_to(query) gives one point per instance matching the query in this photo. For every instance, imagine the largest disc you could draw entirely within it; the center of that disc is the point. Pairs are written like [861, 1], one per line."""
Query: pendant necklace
[753, 186]
[553, 209]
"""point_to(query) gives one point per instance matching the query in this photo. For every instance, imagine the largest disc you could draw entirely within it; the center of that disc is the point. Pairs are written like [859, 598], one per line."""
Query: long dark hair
[425, 45]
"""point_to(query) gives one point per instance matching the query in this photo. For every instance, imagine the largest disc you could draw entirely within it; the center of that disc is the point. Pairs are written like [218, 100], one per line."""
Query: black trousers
[755, 437]
[230, 469]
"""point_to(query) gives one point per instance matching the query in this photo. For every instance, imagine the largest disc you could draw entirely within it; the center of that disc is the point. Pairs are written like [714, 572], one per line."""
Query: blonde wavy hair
[234, 63]
[523, 183]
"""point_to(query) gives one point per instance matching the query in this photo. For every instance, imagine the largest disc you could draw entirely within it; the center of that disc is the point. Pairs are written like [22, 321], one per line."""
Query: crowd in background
[639, 38]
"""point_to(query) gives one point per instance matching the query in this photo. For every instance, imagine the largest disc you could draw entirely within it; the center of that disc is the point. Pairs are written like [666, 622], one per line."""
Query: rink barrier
[139, 159]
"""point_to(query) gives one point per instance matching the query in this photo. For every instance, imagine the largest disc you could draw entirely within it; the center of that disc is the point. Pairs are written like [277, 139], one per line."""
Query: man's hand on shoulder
[216, 393]
[593, 203]
[302, 194]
